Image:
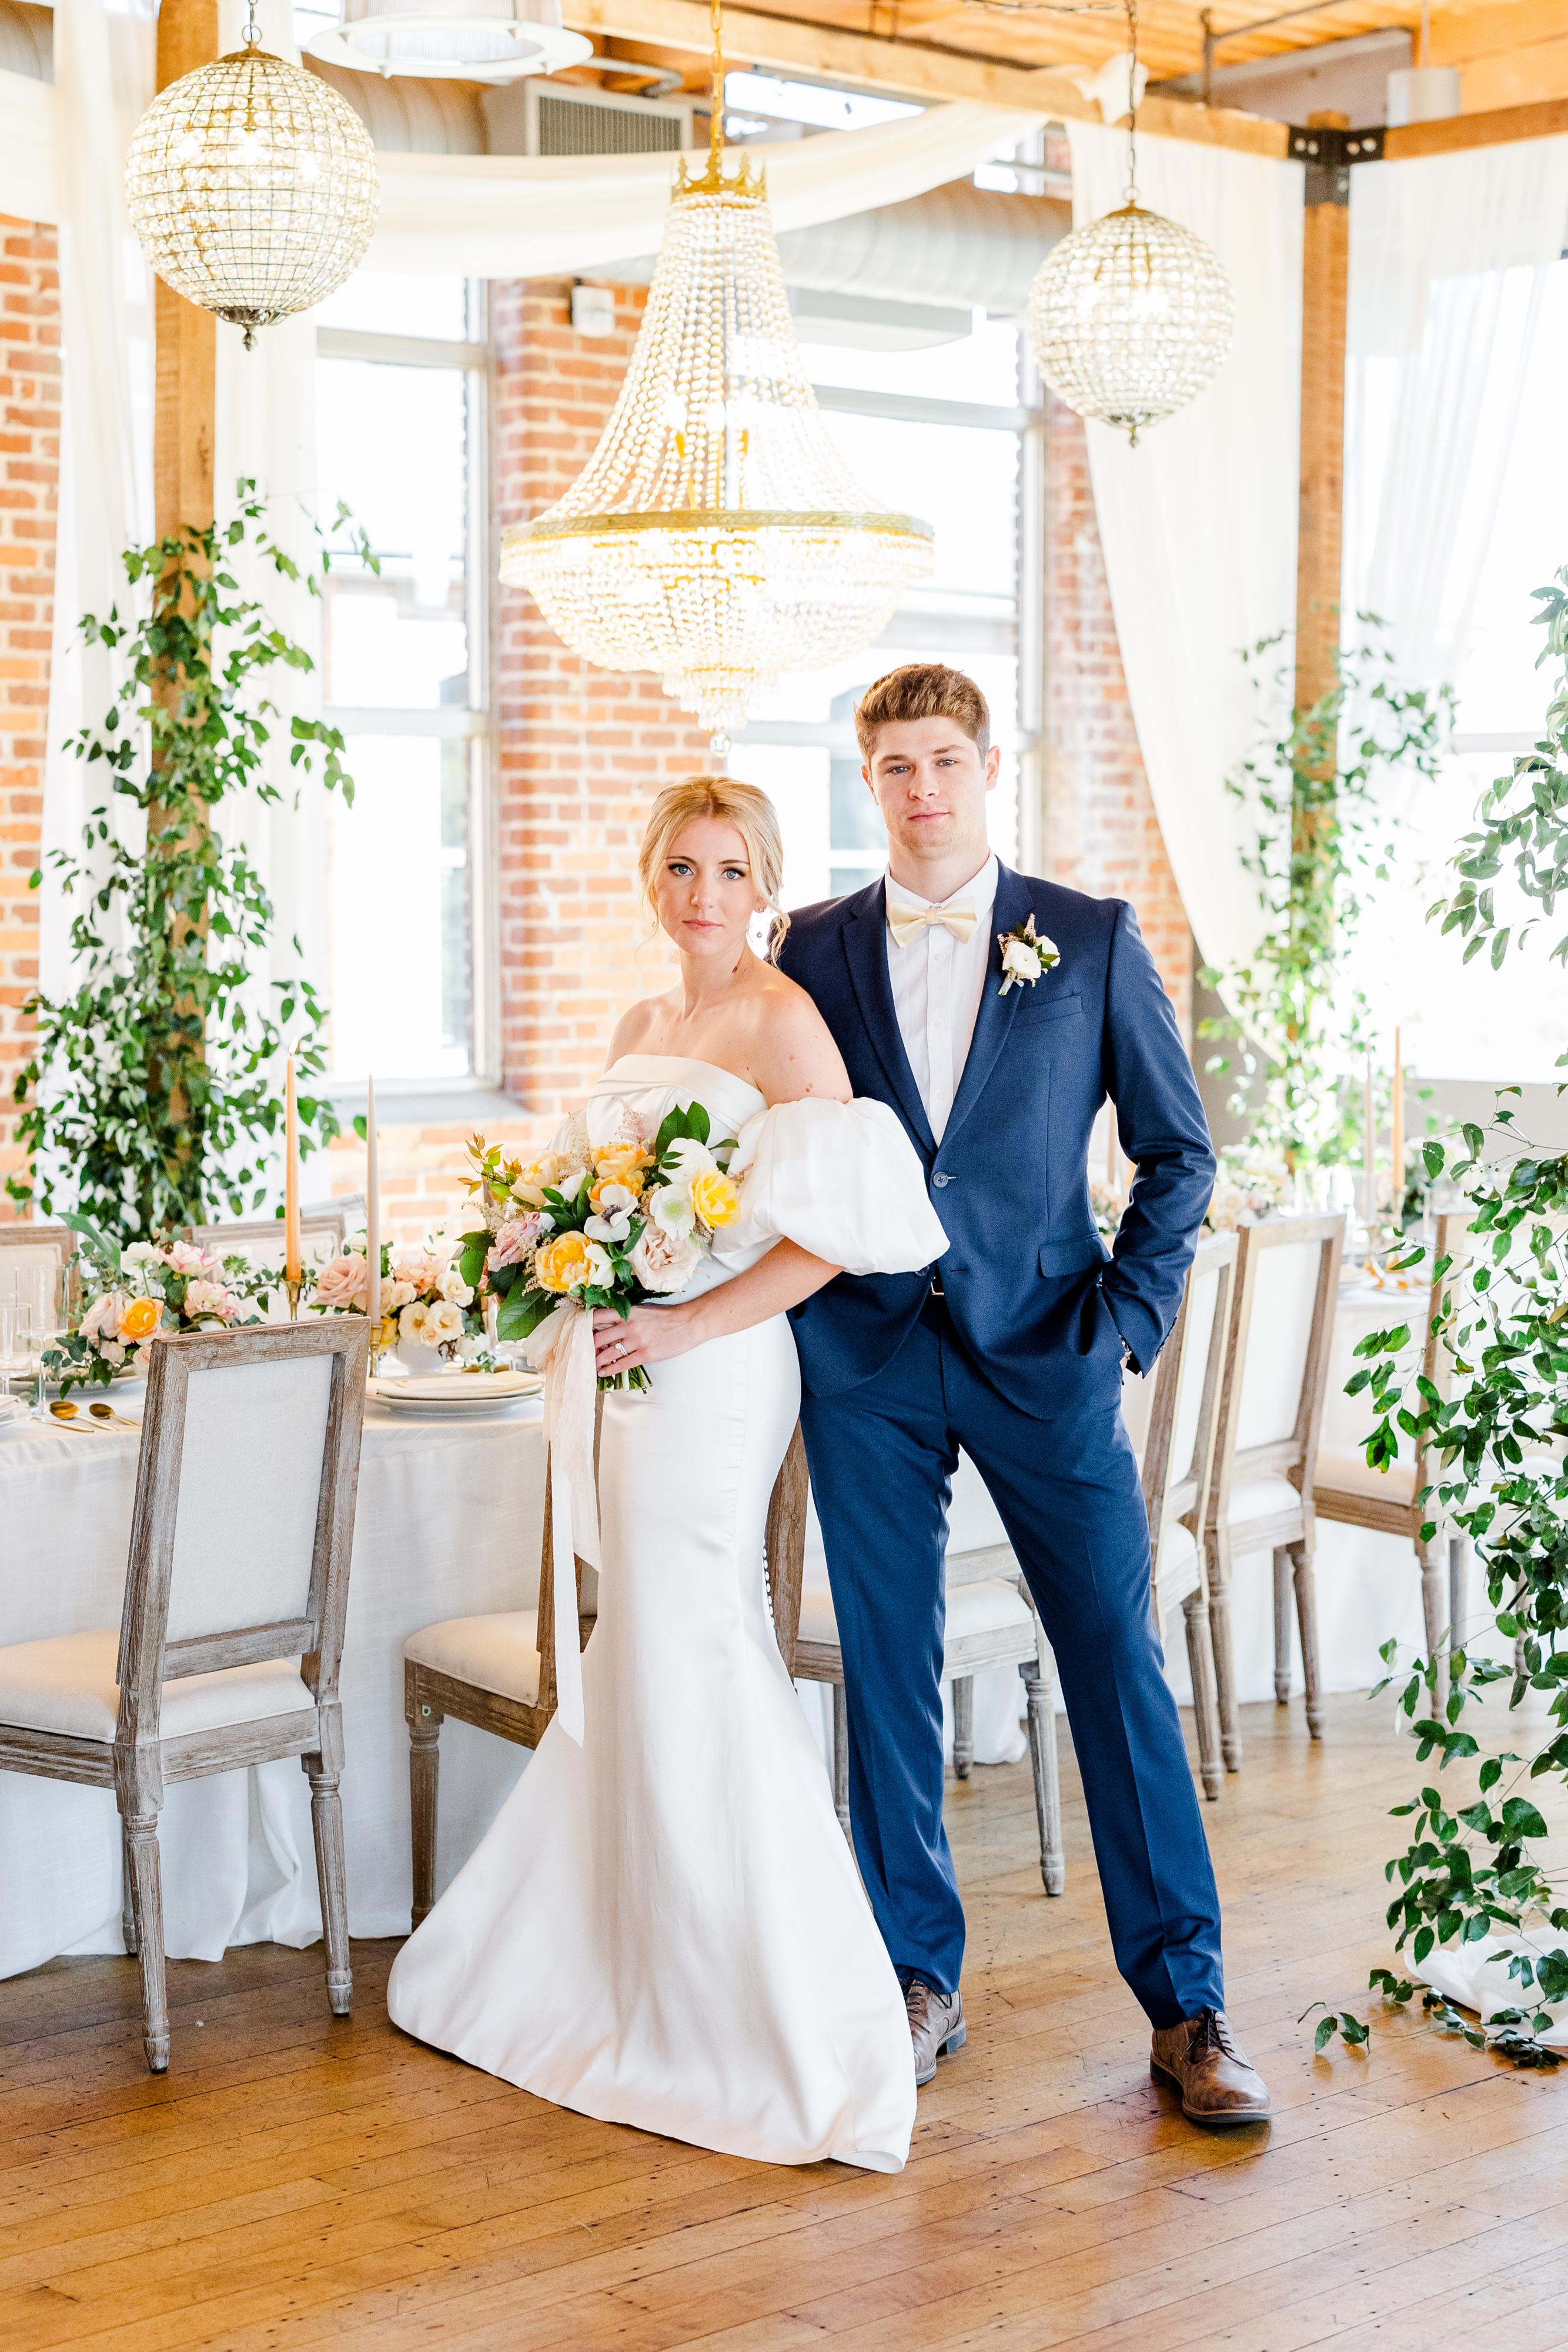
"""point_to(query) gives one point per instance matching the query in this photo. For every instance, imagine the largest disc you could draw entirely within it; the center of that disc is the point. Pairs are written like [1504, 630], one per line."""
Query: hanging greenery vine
[150, 1096]
[1316, 796]
[1478, 1863]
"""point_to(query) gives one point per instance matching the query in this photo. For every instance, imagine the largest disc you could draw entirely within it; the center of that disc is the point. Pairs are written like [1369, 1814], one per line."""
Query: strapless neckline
[684, 1062]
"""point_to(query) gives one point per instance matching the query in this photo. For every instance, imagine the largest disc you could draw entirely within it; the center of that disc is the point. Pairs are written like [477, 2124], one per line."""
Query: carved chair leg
[1282, 1644]
[127, 1898]
[423, 1793]
[1041, 1690]
[1219, 1636]
[963, 1724]
[1307, 1621]
[327, 1821]
[1433, 1605]
[1458, 1591]
[141, 1830]
[842, 1760]
[1195, 1610]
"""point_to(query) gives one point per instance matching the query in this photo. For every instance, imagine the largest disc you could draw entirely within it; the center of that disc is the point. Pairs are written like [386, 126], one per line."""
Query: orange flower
[715, 1197]
[560, 1263]
[623, 1163]
[140, 1319]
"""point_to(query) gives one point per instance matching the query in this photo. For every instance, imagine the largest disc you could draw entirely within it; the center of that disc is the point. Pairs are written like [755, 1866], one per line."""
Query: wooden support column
[185, 396]
[1325, 267]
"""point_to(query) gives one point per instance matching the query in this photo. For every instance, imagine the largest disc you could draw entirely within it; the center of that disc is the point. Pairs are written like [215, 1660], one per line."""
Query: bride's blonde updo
[754, 817]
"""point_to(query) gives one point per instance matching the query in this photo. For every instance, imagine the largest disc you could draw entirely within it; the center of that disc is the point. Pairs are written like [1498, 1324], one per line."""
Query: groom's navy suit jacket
[1041, 1308]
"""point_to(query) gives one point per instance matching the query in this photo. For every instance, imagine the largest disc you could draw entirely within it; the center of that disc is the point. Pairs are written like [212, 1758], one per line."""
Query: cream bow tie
[903, 922]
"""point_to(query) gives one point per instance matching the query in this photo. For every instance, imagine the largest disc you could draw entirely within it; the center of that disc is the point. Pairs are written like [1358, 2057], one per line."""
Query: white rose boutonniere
[1025, 955]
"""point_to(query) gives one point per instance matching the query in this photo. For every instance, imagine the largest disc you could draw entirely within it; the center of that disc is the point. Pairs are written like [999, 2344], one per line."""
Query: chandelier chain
[1132, 102]
[252, 29]
[716, 130]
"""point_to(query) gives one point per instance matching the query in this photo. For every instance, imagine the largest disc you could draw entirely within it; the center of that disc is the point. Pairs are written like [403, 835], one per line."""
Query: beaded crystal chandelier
[1130, 317]
[252, 187]
[715, 535]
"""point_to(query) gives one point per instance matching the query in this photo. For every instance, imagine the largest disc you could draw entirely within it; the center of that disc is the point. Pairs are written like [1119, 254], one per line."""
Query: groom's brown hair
[922, 690]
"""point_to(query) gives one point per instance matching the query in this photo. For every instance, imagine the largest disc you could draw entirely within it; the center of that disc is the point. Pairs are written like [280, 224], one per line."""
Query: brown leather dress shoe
[1218, 2086]
[936, 2026]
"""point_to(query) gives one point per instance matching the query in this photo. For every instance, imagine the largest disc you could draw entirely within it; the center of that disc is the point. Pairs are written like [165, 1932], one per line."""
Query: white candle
[373, 1218]
[1369, 1155]
[1396, 1122]
[291, 1253]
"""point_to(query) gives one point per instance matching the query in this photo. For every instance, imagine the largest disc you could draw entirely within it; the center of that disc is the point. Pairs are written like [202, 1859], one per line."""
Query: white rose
[442, 1322]
[1020, 960]
[412, 1323]
[396, 1294]
[671, 1209]
[113, 1351]
[458, 1292]
[662, 1261]
[141, 1254]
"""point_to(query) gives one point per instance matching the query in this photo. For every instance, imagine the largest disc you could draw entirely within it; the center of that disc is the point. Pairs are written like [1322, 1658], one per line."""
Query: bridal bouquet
[144, 1288]
[608, 1225]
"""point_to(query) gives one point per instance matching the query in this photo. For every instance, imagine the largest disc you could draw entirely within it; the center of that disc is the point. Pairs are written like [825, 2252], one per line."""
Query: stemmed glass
[9, 1360]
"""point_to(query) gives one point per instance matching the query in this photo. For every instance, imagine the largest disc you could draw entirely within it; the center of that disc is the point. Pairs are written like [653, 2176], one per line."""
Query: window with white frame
[400, 375]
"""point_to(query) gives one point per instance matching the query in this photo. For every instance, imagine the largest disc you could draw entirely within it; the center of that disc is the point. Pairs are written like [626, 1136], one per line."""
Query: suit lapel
[994, 1019]
[865, 935]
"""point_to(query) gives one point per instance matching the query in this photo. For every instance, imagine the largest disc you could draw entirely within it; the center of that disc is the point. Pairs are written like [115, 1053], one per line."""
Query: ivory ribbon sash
[561, 1347]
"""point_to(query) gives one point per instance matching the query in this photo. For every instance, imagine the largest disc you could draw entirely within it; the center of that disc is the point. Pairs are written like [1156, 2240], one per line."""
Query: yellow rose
[715, 1197]
[140, 1319]
[562, 1262]
[623, 1165]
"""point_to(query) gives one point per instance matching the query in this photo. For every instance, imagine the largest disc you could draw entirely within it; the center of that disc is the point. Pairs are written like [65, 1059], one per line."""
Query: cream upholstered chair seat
[67, 1685]
[1257, 1504]
[973, 1610]
[499, 1652]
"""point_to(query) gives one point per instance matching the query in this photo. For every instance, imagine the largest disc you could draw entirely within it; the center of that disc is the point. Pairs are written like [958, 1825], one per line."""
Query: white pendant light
[1131, 315]
[715, 535]
[473, 40]
[252, 187]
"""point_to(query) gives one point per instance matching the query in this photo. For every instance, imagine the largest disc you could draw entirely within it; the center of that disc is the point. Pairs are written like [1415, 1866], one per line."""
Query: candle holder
[377, 1351]
[293, 1284]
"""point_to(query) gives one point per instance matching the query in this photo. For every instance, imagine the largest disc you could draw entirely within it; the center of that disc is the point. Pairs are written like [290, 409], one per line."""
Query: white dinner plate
[455, 1393]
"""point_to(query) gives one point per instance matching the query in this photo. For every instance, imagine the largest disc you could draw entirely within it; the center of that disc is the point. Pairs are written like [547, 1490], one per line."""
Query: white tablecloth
[448, 1524]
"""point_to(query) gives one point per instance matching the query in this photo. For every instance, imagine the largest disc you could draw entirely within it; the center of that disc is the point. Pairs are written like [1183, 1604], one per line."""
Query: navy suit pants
[882, 1459]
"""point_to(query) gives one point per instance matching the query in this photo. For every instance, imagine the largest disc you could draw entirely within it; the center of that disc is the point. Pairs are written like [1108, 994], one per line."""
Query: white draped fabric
[1199, 522]
[1449, 255]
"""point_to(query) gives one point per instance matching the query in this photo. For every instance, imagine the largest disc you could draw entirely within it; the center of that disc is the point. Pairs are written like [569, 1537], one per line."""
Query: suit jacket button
[941, 1179]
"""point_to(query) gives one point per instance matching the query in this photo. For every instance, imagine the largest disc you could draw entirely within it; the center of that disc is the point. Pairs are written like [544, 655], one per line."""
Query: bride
[663, 1925]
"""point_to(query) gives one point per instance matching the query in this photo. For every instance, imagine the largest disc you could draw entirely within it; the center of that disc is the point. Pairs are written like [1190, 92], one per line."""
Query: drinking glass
[7, 1335]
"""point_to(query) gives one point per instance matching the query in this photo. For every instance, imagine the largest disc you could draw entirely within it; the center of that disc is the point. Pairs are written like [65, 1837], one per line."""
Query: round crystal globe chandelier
[715, 535]
[1132, 315]
[252, 187]
[475, 40]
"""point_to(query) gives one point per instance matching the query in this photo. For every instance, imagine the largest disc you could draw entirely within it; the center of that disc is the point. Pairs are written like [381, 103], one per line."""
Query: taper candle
[372, 1223]
[1369, 1155]
[291, 1251]
[1396, 1125]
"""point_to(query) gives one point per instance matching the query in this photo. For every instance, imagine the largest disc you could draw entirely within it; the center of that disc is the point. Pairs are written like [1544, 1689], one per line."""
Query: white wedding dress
[664, 1927]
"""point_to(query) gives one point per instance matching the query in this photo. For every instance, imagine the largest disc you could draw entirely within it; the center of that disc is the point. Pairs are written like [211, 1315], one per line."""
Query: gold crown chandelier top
[1132, 315]
[715, 534]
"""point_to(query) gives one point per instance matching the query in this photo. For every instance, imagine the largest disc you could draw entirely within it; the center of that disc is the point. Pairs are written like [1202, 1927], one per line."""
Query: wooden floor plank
[297, 2181]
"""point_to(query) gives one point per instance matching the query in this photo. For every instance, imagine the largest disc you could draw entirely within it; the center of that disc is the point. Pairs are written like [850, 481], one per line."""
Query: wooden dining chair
[1266, 1444]
[1346, 1488]
[1177, 1460]
[229, 1643]
[498, 1673]
[324, 1229]
[991, 1621]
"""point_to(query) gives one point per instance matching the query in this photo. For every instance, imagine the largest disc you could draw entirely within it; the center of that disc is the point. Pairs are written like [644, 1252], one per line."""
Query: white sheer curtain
[1449, 255]
[1199, 522]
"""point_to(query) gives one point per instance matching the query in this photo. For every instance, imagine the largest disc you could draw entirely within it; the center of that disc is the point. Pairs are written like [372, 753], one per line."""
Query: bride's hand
[648, 1336]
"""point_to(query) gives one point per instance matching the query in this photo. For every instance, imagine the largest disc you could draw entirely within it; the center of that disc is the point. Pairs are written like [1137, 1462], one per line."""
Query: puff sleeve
[841, 1179]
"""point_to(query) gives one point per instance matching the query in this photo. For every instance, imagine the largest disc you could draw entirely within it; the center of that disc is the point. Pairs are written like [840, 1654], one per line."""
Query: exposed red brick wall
[1101, 831]
[29, 476]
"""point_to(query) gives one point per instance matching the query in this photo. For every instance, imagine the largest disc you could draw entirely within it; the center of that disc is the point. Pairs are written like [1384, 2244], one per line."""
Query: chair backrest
[1178, 1448]
[33, 1260]
[1277, 1354]
[244, 1521]
[323, 1228]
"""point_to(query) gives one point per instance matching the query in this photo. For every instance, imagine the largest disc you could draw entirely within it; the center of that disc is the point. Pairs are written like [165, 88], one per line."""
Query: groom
[1011, 1346]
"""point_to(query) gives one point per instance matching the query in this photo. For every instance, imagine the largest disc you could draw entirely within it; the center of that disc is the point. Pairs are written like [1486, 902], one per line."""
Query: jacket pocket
[1051, 1008]
[1073, 1257]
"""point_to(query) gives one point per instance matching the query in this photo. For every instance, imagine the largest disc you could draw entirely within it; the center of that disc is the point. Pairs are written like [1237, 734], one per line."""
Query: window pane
[981, 366]
[962, 480]
[392, 446]
[398, 900]
[399, 302]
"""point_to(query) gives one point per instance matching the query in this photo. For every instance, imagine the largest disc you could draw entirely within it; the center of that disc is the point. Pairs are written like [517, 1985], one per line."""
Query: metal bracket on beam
[1328, 155]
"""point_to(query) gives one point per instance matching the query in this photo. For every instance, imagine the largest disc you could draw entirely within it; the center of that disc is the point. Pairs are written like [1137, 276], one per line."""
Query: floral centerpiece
[426, 1301]
[1251, 1185]
[611, 1226]
[143, 1289]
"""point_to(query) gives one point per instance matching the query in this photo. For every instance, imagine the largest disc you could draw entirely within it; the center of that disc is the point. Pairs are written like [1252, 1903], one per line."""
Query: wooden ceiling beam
[1456, 131]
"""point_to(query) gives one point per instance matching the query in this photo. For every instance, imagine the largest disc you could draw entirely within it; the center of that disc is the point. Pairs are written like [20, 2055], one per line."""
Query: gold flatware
[106, 1412]
[64, 1416]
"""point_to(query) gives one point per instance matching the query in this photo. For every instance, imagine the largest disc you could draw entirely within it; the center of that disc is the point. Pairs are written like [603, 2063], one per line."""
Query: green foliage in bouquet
[1479, 1862]
[151, 1086]
[1315, 793]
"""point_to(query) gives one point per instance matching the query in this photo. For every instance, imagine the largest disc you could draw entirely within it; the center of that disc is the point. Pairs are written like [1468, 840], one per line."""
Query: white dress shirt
[937, 983]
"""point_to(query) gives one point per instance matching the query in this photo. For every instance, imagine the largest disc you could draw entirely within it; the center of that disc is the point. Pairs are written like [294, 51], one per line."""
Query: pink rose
[516, 1238]
[101, 1320]
[208, 1298]
[186, 1259]
[662, 1261]
[342, 1281]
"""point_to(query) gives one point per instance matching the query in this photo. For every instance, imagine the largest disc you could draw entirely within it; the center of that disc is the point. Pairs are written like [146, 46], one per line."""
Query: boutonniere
[1025, 955]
